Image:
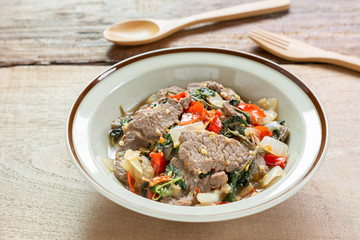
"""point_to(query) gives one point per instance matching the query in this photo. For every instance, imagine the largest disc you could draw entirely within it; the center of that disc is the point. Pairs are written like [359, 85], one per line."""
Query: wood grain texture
[70, 31]
[42, 195]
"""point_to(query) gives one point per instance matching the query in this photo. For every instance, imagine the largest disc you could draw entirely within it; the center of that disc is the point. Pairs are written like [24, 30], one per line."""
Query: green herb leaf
[234, 102]
[165, 100]
[175, 173]
[202, 175]
[160, 146]
[234, 127]
[241, 177]
[144, 190]
[202, 93]
[247, 115]
[164, 189]
[119, 132]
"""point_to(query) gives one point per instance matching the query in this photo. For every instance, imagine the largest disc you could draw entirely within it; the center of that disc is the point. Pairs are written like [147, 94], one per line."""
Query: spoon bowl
[143, 31]
[132, 30]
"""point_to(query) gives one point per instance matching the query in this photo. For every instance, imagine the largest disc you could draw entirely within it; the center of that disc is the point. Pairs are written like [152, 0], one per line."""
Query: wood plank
[70, 31]
[42, 196]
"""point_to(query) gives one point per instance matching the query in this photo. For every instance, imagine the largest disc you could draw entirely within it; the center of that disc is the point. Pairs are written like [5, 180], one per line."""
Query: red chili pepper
[188, 118]
[218, 113]
[221, 203]
[196, 108]
[274, 160]
[158, 179]
[255, 112]
[131, 182]
[149, 194]
[215, 125]
[178, 96]
[158, 162]
[197, 112]
[263, 131]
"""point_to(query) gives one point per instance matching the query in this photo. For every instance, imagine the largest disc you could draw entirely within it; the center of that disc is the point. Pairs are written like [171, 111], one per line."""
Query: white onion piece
[133, 158]
[269, 106]
[273, 103]
[109, 164]
[274, 146]
[136, 164]
[131, 163]
[210, 197]
[246, 191]
[130, 154]
[226, 188]
[176, 190]
[217, 100]
[251, 131]
[152, 98]
[273, 125]
[127, 166]
[267, 103]
[147, 169]
[167, 152]
[176, 131]
[271, 115]
[273, 174]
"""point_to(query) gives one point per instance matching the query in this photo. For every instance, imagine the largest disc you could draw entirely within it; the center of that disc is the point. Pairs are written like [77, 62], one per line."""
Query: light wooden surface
[42, 195]
[70, 31]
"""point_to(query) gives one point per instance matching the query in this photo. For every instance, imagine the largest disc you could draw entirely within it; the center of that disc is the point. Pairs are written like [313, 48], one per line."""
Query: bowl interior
[132, 81]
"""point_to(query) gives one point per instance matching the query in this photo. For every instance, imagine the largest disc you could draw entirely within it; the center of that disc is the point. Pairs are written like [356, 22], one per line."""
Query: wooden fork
[295, 50]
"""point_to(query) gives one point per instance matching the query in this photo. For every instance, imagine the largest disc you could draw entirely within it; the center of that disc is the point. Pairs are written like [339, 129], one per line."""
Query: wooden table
[50, 50]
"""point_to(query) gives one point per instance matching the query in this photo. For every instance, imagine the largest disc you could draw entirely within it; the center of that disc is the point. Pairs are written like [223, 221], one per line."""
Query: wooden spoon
[143, 31]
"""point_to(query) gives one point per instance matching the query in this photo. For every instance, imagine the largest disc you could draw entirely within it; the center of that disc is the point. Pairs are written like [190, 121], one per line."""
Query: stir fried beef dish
[199, 146]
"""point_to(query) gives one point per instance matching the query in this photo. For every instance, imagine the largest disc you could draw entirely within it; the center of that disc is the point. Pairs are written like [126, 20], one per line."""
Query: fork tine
[271, 36]
[263, 41]
[274, 36]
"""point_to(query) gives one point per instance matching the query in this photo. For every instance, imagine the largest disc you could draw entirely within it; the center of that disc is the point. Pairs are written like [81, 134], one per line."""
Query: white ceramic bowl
[134, 79]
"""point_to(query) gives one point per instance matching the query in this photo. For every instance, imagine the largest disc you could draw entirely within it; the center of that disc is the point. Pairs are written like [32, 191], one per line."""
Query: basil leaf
[119, 132]
[202, 175]
[202, 93]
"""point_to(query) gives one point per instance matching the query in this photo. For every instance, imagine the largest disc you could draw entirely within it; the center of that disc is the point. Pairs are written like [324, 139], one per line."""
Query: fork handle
[341, 60]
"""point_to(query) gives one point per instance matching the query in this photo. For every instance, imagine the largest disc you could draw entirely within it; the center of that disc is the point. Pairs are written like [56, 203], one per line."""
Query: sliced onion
[216, 100]
[210, 197]
[130, 154]
[176, 131]
[136, 164]
[246, 191]
[274, 146]
[269, 106]
[167, 151]
[133, 158]
[176, 190]
[251, 131]
[273, 126]
[127, 166]
[273, 174]
[131, 163]
[271, 115]
[147, 169]
[109, 164]
[152, 98]
[267, 103]
[226, 188]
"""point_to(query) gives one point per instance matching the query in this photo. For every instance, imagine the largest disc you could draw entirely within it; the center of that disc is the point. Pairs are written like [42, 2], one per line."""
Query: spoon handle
[239, 11]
